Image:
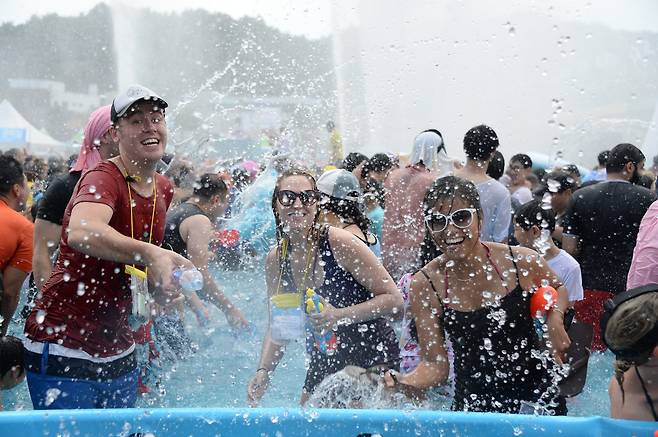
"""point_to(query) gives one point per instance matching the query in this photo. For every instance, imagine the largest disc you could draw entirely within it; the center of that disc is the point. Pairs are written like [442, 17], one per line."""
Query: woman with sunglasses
[356, 292]
[479, 294]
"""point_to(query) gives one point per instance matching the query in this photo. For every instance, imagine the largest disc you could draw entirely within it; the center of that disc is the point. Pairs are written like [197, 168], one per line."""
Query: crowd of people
[109, 242]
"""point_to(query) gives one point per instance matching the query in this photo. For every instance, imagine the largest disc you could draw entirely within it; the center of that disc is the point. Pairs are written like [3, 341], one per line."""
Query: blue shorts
[57, 382]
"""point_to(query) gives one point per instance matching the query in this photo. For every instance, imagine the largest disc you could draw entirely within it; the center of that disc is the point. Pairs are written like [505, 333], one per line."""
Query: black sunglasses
[287, 198]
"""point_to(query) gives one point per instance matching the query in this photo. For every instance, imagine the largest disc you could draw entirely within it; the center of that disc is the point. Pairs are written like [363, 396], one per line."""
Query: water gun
[542, 300]
[326, 342]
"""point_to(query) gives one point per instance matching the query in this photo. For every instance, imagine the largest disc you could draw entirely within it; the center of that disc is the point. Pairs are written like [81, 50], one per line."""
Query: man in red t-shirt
[15, 238]
[79, 346]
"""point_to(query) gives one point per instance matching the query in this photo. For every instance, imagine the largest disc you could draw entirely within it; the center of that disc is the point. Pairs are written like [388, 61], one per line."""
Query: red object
[97, 321]
[542, 299]
[228, 237]
[589, 311]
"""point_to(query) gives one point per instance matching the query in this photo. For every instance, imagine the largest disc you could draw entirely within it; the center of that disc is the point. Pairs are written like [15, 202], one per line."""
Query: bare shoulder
[197, 220]
[526, 257]
[431, 274]
[340, 238]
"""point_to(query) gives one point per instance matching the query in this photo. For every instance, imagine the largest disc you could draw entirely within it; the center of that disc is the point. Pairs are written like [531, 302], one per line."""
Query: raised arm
[540, 273]
[355, 257]
[428, 314]
[197, 231]
[90, 233]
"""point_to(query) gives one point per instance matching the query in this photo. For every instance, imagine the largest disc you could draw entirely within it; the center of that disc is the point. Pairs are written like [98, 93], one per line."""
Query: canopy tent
[16, 131]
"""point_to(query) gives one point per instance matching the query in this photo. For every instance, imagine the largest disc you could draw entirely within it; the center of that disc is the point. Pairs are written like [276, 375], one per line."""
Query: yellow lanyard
[284, 249]
[131, 269]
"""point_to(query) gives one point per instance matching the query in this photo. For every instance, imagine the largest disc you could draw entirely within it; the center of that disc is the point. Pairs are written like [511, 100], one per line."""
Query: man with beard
[600, 229]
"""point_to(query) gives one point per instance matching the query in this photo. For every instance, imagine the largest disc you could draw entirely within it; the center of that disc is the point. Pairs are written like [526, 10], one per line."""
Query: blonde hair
[631, 321]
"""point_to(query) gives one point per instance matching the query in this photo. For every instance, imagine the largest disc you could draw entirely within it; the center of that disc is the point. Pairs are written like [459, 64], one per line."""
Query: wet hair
[352, 160]
[179, 172]
[208, 185]
[241, 178]
[603, 158]
[622, 154]
[496, 167]
[480, 142]
[646, 180]
[443, 145]
[571, 169]
[11, 354]
[446, 189]
[540, 173]
[532, 214]
[379, 162]
[522, 159]
[280, 234]
[11, 172]
[562, 178]
[631, 321]
[348, 211]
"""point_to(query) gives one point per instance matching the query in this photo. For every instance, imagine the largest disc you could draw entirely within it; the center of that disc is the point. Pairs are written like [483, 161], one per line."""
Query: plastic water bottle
[188, 280]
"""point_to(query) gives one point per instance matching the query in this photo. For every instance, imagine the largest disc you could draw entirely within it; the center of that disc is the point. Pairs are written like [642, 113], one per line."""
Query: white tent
[16, 131]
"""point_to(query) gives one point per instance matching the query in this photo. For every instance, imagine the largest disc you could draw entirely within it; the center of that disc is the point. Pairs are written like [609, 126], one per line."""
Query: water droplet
[41, 316]
[51, 396]
[487, 344]
[92, 189]
[450, 264]
[51, 243]
[81, 289]
[66, 276]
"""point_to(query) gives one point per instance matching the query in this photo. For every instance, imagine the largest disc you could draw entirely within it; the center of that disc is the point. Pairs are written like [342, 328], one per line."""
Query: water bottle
[188, 279]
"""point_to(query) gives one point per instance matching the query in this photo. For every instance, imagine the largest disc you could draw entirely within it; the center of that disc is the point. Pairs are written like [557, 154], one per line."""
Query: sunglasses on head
[287, 197]
[462, 218]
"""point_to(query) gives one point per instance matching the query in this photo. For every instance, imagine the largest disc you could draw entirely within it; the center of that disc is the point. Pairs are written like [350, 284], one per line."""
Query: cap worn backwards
[135, 93]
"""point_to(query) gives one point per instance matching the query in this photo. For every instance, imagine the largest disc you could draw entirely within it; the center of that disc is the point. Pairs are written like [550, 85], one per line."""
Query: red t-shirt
[87, 300]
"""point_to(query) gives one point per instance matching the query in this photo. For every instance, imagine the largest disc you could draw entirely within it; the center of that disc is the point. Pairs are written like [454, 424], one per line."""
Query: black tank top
[172, 239]
[363, 344]
[495, 349]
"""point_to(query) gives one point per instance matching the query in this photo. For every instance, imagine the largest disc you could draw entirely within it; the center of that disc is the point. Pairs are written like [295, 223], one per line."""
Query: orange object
[542, 300]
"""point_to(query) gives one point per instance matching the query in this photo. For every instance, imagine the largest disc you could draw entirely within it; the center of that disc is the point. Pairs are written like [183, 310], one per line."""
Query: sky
[308, 17]
[313, 18]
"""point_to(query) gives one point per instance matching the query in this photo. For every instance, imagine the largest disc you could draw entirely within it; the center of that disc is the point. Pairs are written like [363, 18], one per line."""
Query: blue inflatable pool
[296, 422]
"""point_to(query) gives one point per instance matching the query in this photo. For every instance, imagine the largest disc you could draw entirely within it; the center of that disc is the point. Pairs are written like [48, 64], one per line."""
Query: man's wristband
[262, 368]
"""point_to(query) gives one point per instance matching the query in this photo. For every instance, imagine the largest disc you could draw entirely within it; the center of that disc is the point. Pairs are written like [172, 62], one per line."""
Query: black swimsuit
[495, 350]
[366, 344]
